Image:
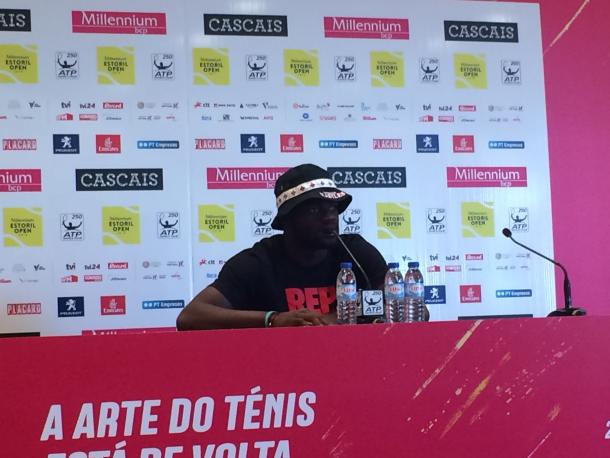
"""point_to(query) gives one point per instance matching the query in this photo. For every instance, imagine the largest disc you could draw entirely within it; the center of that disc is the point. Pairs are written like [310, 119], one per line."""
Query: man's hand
[301, 317]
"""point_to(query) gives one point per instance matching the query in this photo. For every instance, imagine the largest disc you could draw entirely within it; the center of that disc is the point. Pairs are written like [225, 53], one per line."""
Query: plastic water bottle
[414, 288]
[394, 294]
[347, 295]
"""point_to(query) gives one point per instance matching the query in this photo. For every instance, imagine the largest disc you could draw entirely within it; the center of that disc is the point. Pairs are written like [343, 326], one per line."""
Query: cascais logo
[361, 27]
[500, 32]
[369, 177]
[251, 25]
[15, 20]
[118, 22]
[119, 179]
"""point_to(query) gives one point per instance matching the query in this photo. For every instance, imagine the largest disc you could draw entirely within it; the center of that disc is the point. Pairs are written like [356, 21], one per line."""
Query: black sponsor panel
[369, 177]
[15, 20]
[240, 24]
[496, 32]
[119, 179]
[11, 335]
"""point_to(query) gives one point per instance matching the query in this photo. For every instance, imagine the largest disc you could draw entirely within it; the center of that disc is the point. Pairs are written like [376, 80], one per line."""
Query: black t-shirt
[264, 278]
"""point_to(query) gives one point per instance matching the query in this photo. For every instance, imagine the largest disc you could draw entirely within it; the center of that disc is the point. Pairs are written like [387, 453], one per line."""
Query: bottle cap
[346, 265]
[392, 265]
[413, 265]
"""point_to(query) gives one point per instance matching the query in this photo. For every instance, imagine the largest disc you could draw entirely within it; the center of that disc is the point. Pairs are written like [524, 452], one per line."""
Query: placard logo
[118, 22]
[15, 20]
[497, 32]
[366, 27]
[168, 225]
[345, 68]
[369, 177]
[393, 220]
[72, 227]
[119, 179]
[19, 144]
[216, 223]
[245, 25]
[66, 65]
[429, 70]
[210, 143]
[387, 143]
[27, 308]
[211, 66]
[162, 67]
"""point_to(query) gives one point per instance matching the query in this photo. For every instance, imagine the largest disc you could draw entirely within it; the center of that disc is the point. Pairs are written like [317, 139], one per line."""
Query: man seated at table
[288, 279]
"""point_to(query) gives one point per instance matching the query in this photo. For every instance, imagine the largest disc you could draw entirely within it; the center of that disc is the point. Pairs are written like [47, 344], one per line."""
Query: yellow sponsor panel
[116, 65]
[211, 66]
[22, 227]
[121, 225]
[477, 219]
[393, 220]
[216, 223]
[18, 64]
[470, 71]
[387, 69]
[301, 68]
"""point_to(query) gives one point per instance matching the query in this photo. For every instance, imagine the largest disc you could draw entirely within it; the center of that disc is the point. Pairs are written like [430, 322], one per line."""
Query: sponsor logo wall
[140, 140]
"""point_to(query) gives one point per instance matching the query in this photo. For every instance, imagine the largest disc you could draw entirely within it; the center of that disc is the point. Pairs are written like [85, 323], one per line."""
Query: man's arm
[210, 309]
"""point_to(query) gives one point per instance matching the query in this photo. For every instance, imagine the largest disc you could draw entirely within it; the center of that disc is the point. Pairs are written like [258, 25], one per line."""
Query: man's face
[315, 223]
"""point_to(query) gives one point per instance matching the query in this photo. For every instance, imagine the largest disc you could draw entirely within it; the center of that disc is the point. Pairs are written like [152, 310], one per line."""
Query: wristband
[268, 318]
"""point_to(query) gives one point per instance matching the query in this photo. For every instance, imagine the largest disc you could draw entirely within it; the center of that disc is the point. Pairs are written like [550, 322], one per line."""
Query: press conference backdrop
[140, 144]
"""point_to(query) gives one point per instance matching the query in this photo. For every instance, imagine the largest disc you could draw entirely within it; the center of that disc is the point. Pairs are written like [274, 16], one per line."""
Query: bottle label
[416, 289]
[396, 290]
[347, 290]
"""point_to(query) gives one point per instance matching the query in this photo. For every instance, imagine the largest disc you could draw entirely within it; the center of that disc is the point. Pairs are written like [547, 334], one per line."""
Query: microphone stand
[567, 310]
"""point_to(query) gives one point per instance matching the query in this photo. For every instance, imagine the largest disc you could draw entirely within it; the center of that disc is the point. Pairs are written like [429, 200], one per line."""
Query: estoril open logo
[251, 25]
[497, 32]
[119, 179]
